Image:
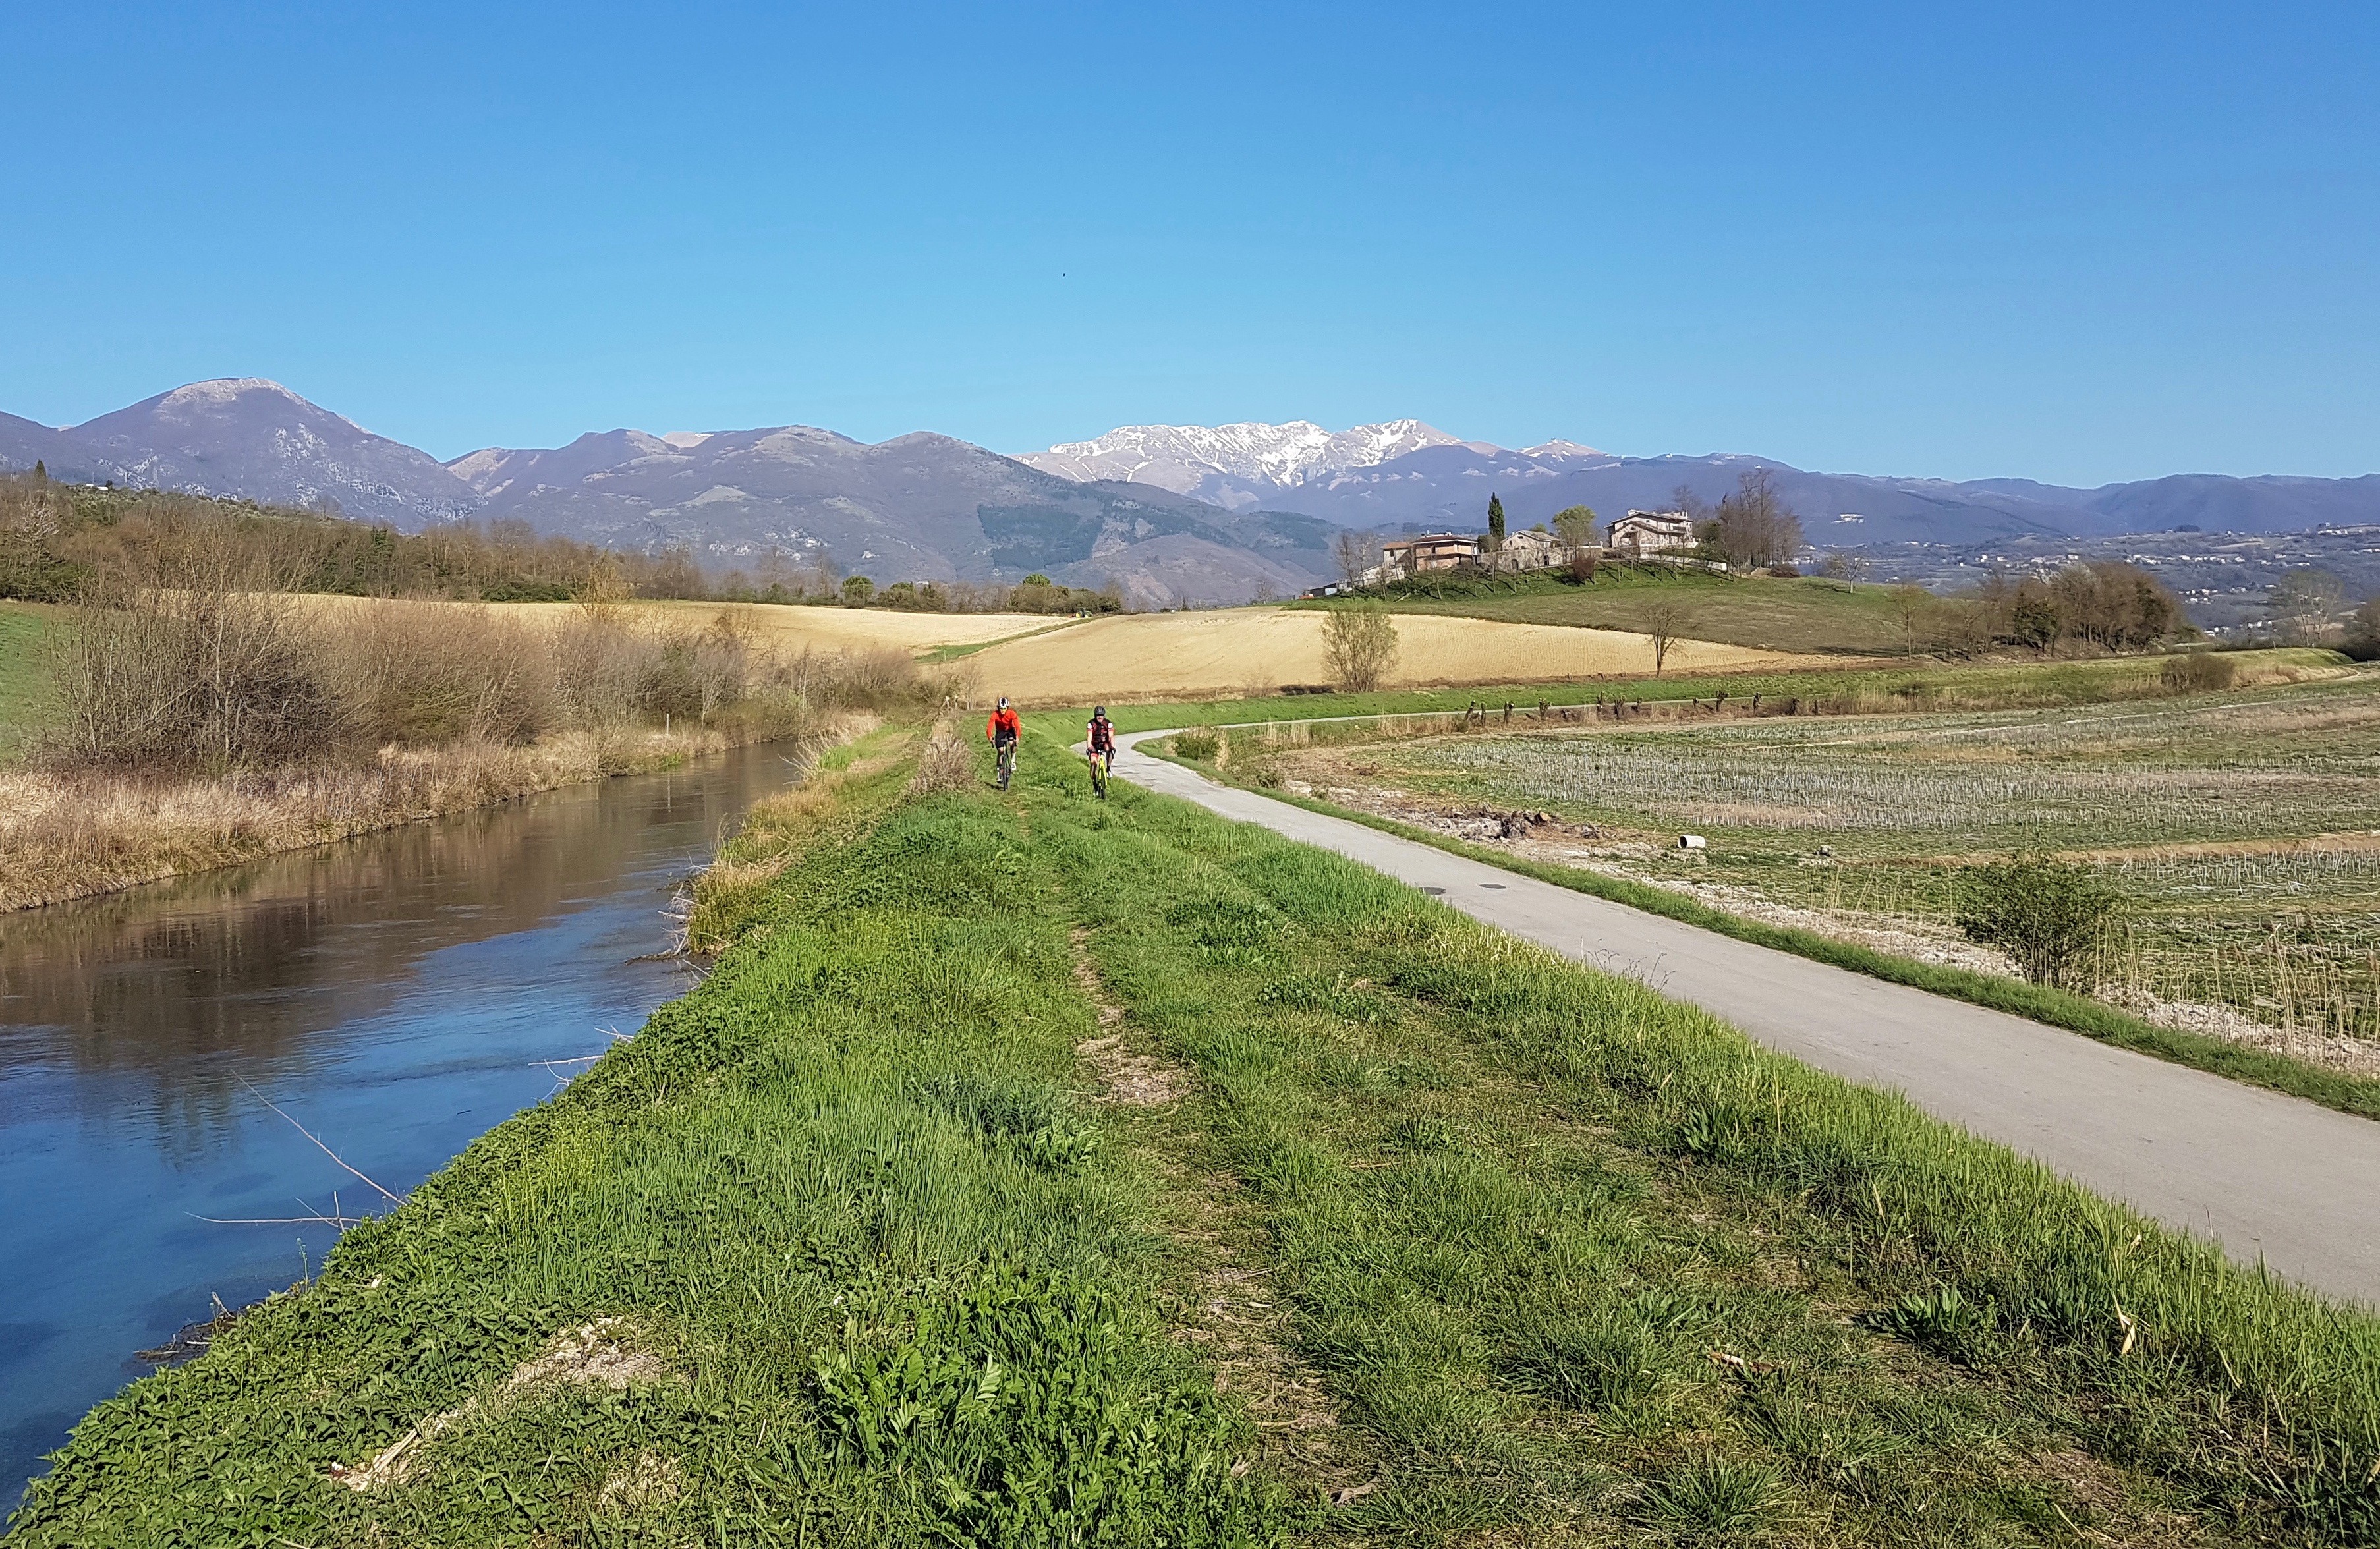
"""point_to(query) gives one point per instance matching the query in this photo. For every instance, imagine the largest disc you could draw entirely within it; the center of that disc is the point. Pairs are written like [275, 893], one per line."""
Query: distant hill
[1404, 474]
[247, 437]
[919, 506]
[1167, 512]
[916, 507]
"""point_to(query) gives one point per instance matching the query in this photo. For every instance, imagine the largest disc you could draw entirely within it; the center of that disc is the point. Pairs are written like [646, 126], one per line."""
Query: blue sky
[2078, 243]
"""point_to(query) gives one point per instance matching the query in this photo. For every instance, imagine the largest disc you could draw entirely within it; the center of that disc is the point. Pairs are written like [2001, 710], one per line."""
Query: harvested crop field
[2240, 827]
[1262, 649]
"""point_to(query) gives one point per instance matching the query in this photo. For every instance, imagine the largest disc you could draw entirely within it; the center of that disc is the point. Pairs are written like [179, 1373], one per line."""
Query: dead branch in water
[391, 1198]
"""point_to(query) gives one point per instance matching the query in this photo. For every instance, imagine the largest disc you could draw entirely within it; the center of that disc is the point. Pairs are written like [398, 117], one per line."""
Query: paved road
[2259, 1172]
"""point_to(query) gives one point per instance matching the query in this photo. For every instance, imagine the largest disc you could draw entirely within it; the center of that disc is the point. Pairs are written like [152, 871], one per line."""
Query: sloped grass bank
[1579, 1263]
[843, 1248]
[828, 1254]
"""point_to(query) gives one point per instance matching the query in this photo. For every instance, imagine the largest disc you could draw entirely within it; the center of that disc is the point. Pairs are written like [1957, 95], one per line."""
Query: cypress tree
[40, 471]
[1495, 522]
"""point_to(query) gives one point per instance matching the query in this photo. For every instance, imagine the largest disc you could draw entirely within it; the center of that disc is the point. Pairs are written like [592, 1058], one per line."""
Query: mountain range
[1422, 477]
[1165, 511]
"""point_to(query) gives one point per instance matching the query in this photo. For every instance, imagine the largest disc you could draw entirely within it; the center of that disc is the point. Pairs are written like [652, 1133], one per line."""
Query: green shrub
[2051, 918]
[1199, 748]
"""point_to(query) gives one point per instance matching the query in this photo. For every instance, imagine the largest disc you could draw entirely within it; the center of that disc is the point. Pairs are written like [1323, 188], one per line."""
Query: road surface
[2259, 1172]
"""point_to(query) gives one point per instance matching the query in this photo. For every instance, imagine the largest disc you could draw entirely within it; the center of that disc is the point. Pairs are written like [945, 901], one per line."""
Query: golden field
[796, 628]
[1244, 650]
[1037, 659]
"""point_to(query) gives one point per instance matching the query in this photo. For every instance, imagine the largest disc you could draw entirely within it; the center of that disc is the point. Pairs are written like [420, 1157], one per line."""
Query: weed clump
[2055, 920]
[2198, 672]
[1199, 746]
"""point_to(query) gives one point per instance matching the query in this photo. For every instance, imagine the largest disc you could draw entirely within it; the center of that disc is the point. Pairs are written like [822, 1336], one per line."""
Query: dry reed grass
[70, 833]
[947, 763]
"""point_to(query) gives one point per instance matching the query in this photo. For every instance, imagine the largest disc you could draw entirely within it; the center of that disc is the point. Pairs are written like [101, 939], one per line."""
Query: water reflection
[393, 993]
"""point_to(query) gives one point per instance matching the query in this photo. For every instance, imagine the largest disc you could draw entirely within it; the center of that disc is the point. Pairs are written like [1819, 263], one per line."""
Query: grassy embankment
[1808, 615]
[1403, 1232]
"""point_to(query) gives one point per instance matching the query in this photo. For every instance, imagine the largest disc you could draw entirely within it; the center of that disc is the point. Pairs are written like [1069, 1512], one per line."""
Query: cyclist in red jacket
[1004, 728]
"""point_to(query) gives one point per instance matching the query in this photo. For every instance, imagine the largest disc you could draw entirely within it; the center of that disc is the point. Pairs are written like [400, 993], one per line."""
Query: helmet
[1100, 711]
[1003, 702]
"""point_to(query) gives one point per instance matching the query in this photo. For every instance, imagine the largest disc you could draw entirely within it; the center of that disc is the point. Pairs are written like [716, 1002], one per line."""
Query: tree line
[59, 541]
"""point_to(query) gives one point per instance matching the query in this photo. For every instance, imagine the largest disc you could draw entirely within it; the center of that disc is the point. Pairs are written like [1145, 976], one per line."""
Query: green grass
[1449, 1240]
[1573, 1258]
[1980, 686]
[1805, 615]
[25, 628]
[942, 655]
[843, 1195]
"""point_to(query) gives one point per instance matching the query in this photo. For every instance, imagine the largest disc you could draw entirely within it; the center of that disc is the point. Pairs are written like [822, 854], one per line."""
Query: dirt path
[1229, 1311]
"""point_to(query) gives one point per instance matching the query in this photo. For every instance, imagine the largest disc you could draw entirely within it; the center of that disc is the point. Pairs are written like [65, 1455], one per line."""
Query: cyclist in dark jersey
[1101, 745]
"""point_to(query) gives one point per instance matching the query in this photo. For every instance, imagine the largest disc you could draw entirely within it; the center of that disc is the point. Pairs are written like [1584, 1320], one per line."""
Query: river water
[397, 995]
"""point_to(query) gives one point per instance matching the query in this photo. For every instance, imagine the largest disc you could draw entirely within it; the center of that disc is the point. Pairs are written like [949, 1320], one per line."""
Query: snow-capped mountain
[1163, 511]
[1237, 467]
[916, 507]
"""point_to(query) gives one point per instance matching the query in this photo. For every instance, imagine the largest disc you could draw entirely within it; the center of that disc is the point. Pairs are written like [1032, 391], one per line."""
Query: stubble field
[2244, 828]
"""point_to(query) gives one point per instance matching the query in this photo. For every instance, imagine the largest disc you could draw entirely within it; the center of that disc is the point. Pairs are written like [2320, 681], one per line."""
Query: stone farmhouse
[1652, 532]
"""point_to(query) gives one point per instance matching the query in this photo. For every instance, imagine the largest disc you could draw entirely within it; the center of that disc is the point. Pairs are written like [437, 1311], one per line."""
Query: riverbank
[75, 833]
[1032, 1170]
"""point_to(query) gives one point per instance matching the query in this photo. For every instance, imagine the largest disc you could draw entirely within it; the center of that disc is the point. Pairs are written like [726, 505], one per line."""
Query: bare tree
[1755, 526]
[2362, 640]
[1664, 622]
[2304, 603]
[1359, 645]
[1909, 604]
[1356, 553]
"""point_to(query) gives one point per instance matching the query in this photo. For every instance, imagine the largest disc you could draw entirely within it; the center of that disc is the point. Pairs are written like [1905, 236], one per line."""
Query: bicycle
[1100, 775]
[1006, 762]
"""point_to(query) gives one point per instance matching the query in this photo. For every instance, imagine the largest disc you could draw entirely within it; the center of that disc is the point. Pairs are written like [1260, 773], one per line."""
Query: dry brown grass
[947, 763]
[70, 833]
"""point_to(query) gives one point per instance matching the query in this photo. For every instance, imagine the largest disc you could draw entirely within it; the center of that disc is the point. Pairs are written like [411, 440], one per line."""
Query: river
[397, 995]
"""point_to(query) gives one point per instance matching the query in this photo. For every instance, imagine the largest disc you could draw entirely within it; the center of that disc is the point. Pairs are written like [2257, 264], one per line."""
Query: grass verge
[1577, 1264]
[2347, 1094]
